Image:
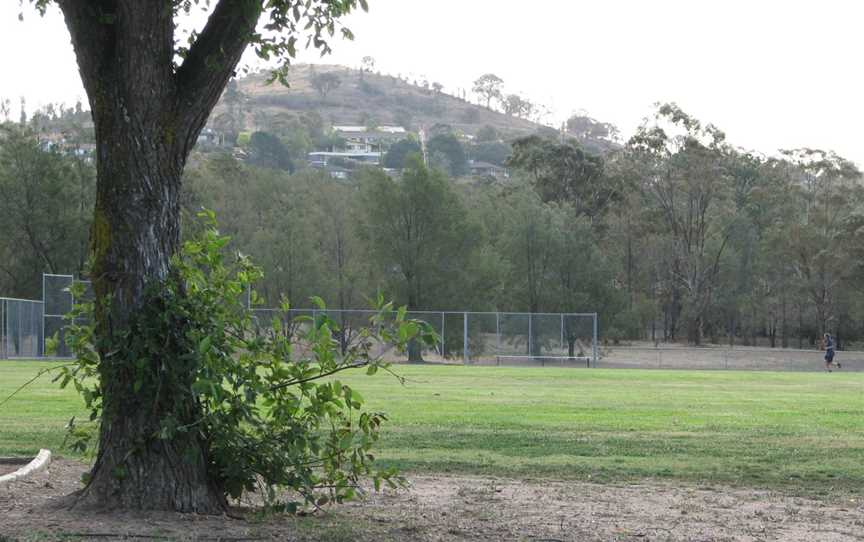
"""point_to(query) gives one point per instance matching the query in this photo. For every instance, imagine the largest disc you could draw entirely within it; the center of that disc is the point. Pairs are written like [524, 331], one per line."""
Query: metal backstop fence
[482, 338]
[21, 328]
[27, 326]
[33, 329]
[57, 301]
[479, 338]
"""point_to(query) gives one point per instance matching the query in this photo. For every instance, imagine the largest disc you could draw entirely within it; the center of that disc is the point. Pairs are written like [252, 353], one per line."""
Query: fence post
[41, 347]
[443, 343]
[595, 341]
[562, 332]
[2, 329]
[530, 336]
[497, 334]
[465, 338]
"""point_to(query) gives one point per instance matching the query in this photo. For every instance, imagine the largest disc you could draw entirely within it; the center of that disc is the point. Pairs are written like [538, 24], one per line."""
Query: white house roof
[346, 154]
[353, 129]
[483, 165]
[363, 129]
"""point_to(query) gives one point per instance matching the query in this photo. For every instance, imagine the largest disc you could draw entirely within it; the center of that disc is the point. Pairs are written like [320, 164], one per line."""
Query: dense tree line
[675, 236]
[46, 206]
[716, 243]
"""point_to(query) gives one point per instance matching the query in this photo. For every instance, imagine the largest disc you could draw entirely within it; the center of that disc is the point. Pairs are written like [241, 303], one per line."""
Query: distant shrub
[404, 118]
[493, 152]
[449, 146]
[369, 89]
[469, 115]
[399, 152]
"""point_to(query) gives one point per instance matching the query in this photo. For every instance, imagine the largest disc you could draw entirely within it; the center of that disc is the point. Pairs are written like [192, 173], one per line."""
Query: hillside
[370, 98]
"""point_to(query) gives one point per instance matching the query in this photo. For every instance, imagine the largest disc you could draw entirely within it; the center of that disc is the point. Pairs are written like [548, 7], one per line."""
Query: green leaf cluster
[266, 402]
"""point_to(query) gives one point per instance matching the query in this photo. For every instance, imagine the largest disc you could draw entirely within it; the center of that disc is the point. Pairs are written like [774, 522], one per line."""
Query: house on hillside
[485, 169]
[84, 150]
[358, 146]
[60, 142]
[210, 138]
[340, 164]
[365, 139]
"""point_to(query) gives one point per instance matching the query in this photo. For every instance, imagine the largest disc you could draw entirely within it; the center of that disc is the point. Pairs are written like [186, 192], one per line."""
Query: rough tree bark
[147, 116]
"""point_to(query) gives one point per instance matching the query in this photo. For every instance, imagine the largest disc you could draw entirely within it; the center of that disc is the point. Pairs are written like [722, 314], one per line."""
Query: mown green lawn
[797, 431]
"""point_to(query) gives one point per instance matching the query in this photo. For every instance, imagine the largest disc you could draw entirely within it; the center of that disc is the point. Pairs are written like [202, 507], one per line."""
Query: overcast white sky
[771, 73]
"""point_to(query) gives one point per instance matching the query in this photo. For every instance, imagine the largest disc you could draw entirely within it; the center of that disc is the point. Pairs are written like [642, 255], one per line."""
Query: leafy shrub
[270, 411]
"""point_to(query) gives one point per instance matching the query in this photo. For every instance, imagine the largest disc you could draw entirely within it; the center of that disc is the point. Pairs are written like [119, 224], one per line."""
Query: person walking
[828, 346]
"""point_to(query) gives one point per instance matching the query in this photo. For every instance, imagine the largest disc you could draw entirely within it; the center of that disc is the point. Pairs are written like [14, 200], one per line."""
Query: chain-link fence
[36, 329]
[57, 301]
[21, 328]
[481, 338]
[724, 358]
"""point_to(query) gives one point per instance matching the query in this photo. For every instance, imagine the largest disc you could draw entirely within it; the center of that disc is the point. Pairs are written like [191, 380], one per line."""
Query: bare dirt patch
[440, 508]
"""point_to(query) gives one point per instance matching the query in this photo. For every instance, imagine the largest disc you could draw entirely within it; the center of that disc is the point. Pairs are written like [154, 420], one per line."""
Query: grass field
[801, 432]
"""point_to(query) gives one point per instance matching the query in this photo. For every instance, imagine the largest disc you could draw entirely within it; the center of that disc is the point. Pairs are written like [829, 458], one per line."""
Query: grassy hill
[361, 98]
[369, 98]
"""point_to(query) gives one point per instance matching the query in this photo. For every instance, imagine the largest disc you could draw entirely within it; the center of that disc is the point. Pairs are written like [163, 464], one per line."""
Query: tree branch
[211, 61]
[357, 365]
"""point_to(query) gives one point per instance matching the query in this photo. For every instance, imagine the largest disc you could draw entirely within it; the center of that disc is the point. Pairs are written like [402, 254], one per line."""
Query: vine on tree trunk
[260, 399]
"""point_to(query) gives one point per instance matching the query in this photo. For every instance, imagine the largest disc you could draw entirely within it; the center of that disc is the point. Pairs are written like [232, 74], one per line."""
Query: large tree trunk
[731, 329]
[772, 329]
[674, 313]
[135, 232]
[147, 116]
[694, 331]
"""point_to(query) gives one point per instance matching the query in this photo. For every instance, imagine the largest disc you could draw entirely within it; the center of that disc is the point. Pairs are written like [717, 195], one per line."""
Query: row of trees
[46, 206]
[420, 239]
[677, 236]
[719, 243]
[490, 88]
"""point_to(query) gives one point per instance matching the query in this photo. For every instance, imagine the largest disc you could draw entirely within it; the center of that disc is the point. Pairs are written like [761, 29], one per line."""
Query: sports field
[802, 432]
